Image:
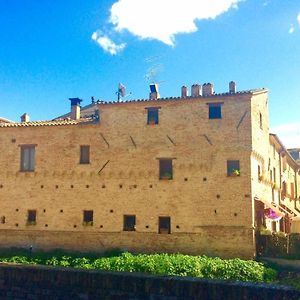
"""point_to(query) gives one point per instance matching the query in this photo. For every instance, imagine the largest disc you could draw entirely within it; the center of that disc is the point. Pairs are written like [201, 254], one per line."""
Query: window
[259, 173]
[27, 158]
[283, 190]
[84, 154]
[164, 225]
[152, 115]
[129, 223]
[271, 176]
[292, 190]
[31, 217]
[214, 111]
[274, 175]
[88, 217]
[165, 169]
[233, 168]
[260, 121]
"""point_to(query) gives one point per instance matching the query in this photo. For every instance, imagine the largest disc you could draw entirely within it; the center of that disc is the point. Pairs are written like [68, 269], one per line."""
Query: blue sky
[53, 50]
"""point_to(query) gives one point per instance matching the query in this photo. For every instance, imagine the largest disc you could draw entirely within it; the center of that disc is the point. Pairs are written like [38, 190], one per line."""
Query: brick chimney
[196, 90]
[184, 91]
[154, 94]
[75, 108]
[232, 87]
[25, 118]
[208, 89]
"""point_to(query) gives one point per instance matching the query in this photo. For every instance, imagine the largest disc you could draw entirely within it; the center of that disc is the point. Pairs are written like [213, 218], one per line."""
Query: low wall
[39, 282]
[212, 241]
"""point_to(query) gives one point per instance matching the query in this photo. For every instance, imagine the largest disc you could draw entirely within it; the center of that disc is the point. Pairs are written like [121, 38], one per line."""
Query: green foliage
[162, 264]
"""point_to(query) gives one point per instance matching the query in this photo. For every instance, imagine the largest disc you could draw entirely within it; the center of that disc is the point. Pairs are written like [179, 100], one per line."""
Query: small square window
[233, 168]
[152, 116]
[88, 216]
[27, 158]
[129, 223]
[164, 225]
[165, 169]
[84, 154]
[214, 111]
[31, 217]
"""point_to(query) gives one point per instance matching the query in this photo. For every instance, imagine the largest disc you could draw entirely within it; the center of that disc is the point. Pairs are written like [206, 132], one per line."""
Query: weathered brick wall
[209, 211]
[27, 282]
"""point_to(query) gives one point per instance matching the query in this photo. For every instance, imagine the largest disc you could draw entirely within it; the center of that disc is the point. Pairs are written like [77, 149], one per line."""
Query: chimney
[208, 89]
[232, 87]
[184, 91]
[25, 118]
[154, 94]
[75, 108]
[196, 90]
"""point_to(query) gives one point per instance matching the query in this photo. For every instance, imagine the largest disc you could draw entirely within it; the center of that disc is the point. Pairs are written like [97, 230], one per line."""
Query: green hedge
[163, 264]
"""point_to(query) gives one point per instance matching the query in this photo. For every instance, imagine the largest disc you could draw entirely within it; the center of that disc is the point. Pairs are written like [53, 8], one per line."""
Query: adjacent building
[197, 174]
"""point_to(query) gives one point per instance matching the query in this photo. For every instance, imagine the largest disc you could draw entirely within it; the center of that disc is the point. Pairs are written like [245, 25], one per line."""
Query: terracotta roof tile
[48, 123]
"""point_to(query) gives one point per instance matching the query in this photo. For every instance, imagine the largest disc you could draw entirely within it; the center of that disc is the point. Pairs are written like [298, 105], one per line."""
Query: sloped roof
[58, 122]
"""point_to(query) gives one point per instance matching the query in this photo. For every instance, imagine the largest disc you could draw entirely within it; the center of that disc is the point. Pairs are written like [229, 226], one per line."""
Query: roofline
[283, 149]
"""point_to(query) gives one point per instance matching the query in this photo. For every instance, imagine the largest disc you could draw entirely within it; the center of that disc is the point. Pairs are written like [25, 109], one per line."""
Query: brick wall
[29, 282]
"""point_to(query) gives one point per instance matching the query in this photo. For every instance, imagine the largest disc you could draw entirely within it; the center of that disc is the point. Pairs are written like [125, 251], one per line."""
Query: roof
[281, 148]
[3, 120]
[58, 122]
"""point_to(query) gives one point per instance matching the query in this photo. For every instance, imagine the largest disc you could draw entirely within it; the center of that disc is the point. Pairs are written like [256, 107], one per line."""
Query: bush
[161, 264]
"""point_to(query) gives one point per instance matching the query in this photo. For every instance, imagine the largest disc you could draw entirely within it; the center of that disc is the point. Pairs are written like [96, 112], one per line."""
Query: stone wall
[30, 282]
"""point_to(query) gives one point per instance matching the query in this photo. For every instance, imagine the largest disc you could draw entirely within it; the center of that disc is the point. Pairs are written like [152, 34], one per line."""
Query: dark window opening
[165, 169]
[31, 217]
[233, 168]
[88, 217]
[27, 158]
[3, 220]
[129, 223]
[284, 190]
[260, 121]
[259, 173]
[152, 116]
[84, 154]
[164, 225]
[214, 111]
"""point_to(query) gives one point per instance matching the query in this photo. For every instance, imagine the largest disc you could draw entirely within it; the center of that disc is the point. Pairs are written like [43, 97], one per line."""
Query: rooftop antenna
[121, 93]
[154, 69]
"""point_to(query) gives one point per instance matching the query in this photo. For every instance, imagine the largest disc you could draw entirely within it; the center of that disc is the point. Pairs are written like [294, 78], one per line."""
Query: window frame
[31, 216]
[152, 120]
[27, 161]
[130, 226]
[166, 172]
[164, 229]
[88, 217]
[214, 114]
[233, 170]
[85, 157]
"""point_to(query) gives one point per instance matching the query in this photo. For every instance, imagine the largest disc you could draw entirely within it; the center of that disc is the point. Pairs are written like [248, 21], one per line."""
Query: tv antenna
[121, 93]
[155, 68]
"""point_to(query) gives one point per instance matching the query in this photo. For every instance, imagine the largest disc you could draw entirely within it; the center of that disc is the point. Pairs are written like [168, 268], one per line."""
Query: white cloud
[106, 43]
[163, 19]
[292, 28]
[289, 134]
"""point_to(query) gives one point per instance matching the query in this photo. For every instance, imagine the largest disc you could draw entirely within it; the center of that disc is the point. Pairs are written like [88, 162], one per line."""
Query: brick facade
[211, 208]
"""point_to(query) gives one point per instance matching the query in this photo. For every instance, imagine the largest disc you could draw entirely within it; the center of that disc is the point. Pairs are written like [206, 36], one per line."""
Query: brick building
[195, 174]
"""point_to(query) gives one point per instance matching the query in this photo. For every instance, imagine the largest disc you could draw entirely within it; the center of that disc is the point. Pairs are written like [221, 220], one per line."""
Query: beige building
[196, 174]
